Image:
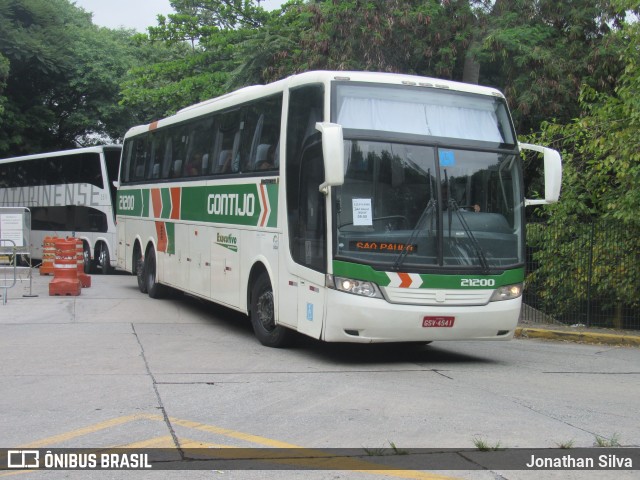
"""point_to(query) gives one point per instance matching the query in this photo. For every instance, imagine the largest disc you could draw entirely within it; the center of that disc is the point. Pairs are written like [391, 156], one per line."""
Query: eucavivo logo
[227, 241]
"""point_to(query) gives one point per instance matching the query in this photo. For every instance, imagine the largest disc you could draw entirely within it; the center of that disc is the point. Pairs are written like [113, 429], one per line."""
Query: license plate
[441, 322]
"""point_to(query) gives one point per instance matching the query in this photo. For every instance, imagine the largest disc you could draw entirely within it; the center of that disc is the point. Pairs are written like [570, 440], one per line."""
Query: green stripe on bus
[364, 272]
[146, 202]
[165, 193]
[230, 204]
[272, 193]
[133, 202]
[171, 237]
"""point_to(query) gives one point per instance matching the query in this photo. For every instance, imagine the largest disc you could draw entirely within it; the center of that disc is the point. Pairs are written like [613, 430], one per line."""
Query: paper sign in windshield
[362, 214]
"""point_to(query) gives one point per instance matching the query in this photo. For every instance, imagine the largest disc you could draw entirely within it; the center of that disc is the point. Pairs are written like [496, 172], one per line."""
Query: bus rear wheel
[86, 257]
[154, 289]
[263, 315]
[104, 260]
[138, 263]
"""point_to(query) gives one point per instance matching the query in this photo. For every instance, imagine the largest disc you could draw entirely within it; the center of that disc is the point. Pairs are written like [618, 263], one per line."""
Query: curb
[581, 337]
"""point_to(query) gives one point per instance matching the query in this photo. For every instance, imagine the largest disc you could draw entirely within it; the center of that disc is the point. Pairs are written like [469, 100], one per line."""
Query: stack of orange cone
[48, 255]
[65, 270]
[85, 280]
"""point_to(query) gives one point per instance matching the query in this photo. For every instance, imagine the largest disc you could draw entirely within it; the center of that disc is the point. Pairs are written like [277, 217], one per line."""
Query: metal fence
[587, 274]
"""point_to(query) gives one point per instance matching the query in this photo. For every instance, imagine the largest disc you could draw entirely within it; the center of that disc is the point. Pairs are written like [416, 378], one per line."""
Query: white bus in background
[70, 194]
[347, 206]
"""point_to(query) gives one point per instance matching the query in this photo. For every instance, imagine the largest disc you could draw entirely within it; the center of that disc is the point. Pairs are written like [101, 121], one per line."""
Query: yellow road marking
[165, 441]
[114, 422]
[268, 442]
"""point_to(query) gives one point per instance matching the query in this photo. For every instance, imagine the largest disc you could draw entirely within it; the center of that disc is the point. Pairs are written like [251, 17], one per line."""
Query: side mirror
[116, 184]
[333, 153]
[552, 174]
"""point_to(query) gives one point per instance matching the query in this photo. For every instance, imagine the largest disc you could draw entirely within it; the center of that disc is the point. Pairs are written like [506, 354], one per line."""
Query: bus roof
[74, 151]
[246, 94]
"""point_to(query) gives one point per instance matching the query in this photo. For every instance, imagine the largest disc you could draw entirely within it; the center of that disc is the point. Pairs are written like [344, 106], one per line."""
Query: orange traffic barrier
[85, 280]
[48, 255]
[65, 270]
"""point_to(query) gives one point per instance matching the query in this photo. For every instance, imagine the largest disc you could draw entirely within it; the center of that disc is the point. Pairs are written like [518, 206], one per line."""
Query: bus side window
[200, 144]
[157, 154]
[312, 209]
[167, 162]
[305, 203]
[140, 155]
[176, 149]
[228, 138]
[261, 134]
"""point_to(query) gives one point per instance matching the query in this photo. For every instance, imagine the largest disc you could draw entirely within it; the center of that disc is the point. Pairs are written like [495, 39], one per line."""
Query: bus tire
[86, 257]
[263, 315]
[138, 263]
[104, 260]
[154, 289]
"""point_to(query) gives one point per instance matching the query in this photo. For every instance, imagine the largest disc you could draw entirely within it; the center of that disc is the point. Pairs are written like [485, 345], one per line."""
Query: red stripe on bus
[265, 212]
[175, 203]
[156, 202]
[406, 280]
[161, 231]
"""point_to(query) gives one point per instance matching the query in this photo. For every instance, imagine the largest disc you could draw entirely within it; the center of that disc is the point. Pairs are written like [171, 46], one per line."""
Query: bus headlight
[356, 287]
[508, 292]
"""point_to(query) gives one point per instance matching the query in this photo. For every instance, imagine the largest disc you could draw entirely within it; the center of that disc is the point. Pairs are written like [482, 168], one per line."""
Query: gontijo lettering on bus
[244, 204]
[231, 204]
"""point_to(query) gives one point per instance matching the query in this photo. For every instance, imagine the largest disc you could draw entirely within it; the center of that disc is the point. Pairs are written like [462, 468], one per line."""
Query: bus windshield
[406, 206]
[423, 111]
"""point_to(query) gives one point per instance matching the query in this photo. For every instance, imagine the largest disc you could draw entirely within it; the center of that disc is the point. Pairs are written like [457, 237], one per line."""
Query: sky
[137, 14]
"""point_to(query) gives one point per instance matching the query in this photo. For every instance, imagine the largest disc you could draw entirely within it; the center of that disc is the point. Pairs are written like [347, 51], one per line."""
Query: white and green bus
[69, 193]
[347, 206]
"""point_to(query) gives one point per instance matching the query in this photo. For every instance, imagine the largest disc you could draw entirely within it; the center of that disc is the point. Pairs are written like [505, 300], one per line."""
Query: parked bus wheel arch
[262, 311]
[102, 258]
[154, 289]
[137, 266]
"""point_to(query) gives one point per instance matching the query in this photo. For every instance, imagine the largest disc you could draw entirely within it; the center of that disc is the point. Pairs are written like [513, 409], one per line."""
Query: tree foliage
[601, 181]
[423, 37]
[61, 77]
[541, 52]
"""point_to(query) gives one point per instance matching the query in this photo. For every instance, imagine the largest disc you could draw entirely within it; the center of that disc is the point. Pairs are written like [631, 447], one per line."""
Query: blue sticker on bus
[310, 312]
[447, 158]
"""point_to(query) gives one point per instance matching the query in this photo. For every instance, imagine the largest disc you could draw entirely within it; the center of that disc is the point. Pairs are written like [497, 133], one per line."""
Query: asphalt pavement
[36, 286]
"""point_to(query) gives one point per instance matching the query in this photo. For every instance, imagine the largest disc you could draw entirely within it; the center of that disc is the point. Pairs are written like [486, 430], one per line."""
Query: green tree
[4, 74]
[409, 36]
[63, 79]
[601, 182]
[200, 44]
[540, 53]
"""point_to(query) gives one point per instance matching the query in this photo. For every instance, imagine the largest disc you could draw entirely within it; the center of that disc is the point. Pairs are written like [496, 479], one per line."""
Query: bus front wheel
[263, 315]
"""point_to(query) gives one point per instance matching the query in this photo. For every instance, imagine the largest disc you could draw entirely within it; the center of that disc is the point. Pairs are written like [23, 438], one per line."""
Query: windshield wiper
[428, 210]
[453, 206]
